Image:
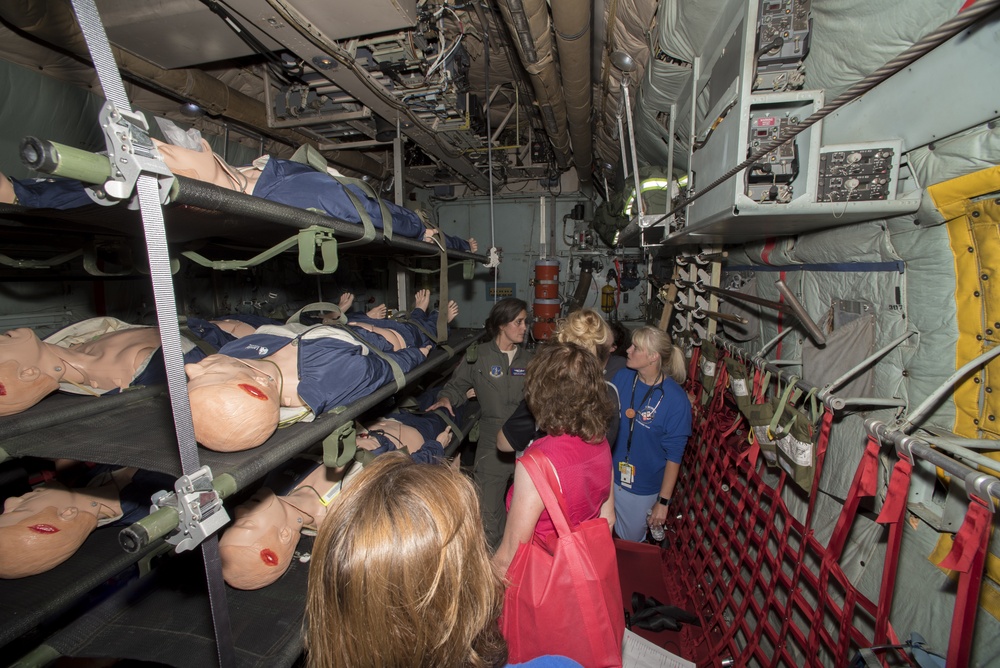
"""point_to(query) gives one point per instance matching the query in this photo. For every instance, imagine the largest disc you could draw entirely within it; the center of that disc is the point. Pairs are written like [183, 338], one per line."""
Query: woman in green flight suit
[497, 376]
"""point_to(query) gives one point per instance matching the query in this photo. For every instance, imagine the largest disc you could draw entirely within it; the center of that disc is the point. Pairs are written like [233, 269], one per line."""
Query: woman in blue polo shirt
[655, 425]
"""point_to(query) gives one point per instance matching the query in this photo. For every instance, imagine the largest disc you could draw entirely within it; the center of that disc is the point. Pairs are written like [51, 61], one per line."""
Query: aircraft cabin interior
[333, 199]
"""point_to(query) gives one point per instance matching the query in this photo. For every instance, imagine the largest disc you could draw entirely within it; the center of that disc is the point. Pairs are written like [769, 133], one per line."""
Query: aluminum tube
[541, 65]
[800, 313]
[924, 409]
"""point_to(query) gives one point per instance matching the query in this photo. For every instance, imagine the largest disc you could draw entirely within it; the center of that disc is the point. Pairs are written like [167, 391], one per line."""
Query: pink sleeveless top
[584, 471]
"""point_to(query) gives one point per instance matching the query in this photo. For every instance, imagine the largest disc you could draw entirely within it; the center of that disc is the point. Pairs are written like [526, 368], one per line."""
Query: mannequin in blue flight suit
[96, 356]
[288, 372]
[424, 434]
[283, 181]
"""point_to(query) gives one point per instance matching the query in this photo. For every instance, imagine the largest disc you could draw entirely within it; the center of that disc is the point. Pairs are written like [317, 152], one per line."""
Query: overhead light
[192, 110]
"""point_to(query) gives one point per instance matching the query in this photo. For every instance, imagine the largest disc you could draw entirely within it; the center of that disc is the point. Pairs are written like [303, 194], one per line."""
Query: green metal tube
[61, 160]
[157, 525]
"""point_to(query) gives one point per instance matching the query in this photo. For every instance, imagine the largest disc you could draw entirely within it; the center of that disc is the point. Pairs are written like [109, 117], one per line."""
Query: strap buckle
[131, 152]
[199, 509]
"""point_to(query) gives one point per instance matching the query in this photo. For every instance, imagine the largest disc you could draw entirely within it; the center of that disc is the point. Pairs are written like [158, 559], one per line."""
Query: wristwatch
[662, 501]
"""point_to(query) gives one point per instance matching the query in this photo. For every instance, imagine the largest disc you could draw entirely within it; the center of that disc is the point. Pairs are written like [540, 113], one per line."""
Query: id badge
[627, 472]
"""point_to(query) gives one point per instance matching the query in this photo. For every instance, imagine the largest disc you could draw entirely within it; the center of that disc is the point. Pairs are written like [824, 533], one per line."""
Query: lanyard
[630, 413]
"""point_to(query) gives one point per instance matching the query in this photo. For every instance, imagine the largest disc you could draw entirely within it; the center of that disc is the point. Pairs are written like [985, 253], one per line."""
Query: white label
[707, 367]
[797, 451]
[761, 434]
[739, 386]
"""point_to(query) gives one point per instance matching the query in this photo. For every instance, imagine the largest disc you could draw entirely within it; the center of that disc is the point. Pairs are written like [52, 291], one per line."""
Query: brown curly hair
[565, 391]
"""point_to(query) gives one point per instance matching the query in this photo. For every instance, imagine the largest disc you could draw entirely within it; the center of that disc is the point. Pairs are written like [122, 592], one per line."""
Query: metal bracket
[978, 485]
[199, 509]
[131, 152]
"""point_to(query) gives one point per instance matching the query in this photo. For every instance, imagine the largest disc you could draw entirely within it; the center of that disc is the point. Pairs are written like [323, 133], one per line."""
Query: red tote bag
[569, 601]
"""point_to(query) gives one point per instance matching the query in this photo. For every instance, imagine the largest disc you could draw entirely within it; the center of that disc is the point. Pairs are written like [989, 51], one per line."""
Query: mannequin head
[234, 403]
[42, 529]
[401, 575]
[29, 370]
[258, 548]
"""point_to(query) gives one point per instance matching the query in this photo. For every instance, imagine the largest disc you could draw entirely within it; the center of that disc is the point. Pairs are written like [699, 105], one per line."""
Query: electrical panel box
[746, 101]
[858, 172]
[784, 29]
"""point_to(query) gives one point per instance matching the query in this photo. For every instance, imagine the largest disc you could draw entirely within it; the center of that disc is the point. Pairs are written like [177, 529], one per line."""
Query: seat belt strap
[397, 371]
[147, 187]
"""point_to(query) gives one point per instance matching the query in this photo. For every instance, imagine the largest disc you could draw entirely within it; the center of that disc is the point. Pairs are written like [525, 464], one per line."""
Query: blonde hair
[588, 329]
[401, 575]
[565, 391]
[653, 340]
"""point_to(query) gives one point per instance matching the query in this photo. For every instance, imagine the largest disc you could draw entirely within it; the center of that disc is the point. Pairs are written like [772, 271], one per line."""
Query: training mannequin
[258, 548]
[45, 527]
[282, 181]
[412, 332]
[294, 372]
[423, 435]
[95, 356]
[237, 395]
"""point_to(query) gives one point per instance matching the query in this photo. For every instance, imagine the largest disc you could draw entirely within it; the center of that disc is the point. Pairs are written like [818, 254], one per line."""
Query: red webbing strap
[692, 379]
[752, 454]
[821, 444]
[863, 486]
[893, 513]
[967, 556]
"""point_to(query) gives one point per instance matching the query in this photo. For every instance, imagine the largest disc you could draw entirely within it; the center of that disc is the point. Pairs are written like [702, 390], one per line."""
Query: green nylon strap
[311, 238]
[366, 221]
[339, 447]
[442, 321]
[397, 372]
[307, 241]
[779, 410]
[307, 154]
[367, 190]
[317, 307]
[410, 321]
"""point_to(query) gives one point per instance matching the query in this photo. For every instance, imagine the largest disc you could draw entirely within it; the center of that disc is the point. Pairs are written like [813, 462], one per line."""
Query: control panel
[783, 31]
[769, 178]
[857, 174]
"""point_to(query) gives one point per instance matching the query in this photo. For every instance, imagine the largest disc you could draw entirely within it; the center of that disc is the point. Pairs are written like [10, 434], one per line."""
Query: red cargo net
[768, 593]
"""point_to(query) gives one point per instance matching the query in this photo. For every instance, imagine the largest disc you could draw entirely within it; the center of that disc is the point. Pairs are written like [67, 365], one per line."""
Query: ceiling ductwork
[571, 20]
[529, 21]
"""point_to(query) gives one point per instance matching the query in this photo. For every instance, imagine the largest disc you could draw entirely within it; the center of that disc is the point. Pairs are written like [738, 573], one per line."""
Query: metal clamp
[978, 484]
[131, 152]
[199, 508]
